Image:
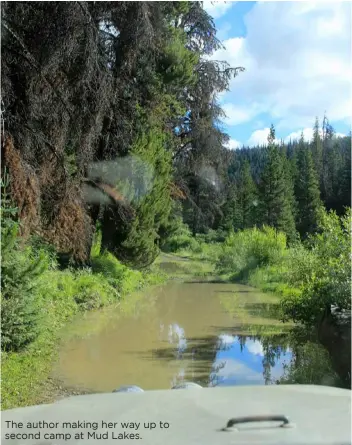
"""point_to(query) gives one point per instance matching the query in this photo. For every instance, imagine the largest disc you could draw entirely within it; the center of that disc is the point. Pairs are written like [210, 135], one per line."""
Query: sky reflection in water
[238, 359]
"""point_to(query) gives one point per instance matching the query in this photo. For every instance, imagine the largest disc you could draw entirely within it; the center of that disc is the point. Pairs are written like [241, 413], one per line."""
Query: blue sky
[297, 57]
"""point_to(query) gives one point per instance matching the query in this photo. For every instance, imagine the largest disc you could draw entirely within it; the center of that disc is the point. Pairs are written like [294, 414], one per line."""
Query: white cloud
[297, 57]
[340, 135]
[236, 115]
[307, 135]
[217, 8]
[233, 144]
[296, 135]
[260, 137]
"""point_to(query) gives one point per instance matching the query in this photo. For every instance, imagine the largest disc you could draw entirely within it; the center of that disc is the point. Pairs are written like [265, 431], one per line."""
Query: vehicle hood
[318, 415]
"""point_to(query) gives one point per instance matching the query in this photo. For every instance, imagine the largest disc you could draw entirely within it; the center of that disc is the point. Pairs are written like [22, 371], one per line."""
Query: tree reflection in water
[231, 358]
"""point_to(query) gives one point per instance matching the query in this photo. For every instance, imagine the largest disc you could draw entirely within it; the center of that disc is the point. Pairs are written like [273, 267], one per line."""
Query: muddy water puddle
[208, 333]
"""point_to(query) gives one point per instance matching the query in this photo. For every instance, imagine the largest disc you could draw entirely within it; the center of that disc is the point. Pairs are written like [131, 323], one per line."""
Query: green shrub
[93, 291]
[123, 279]
[181, 240]
[96, 244]
[108, 265]
[268, 278]
[244, 251]
[301, 264]
[323, 272]
[213, 236]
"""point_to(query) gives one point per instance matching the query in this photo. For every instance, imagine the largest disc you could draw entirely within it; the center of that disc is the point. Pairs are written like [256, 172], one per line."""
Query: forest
[114, 149]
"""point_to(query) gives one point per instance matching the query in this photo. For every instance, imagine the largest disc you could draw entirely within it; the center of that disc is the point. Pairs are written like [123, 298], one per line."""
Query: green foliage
[241, 208]
[59, 296]
[248, 198]
[307, 193]
[21, 269]
[206, 246]
[173, 225]
[294, 180]
[213, 236]
[323, 272]
[310, 277]
[96, 244]
[276, 202]
[290, 170]
[177, 62]
[37, 300]
[300, 264]
[317, 149]
[140, 247]
[232, 216]
[252, 248]
[20, 308]
[91, 291]
[270, 279]
[311, 366]
[181, 239]
[128, 93]
[120, 277]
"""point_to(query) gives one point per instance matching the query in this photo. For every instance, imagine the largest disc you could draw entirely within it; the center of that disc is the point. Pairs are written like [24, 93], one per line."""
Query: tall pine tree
[307, 191]
[317, 150]
[344, 192]
[276, 208]
[290, 172]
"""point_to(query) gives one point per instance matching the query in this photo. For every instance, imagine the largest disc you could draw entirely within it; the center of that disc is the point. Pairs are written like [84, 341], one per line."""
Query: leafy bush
[213, 236]
[96, 244]
[123, 279]
[323, 272]
[268, 278]
[181, 240]
[300, 266]
[244, 251]
[93, 291]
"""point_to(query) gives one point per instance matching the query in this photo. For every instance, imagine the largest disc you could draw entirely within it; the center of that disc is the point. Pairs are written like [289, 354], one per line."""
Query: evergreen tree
[248, 197]
[21, 268]
[276, 208]
[307, 191]
[232, 212]
[317, 150]
[344, 191]
[136, 243]
[334, 163]
[290, 172]
[326, 184]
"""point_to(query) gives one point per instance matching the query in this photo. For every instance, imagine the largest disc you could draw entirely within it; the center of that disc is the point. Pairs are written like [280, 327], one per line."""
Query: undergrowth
[309, 277]
[38, 299]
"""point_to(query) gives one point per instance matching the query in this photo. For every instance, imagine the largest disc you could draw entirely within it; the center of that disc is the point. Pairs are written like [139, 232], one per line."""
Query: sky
[298, 65]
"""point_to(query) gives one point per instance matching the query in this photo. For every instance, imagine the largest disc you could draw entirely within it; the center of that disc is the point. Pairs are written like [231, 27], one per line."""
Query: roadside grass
[66, 294]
